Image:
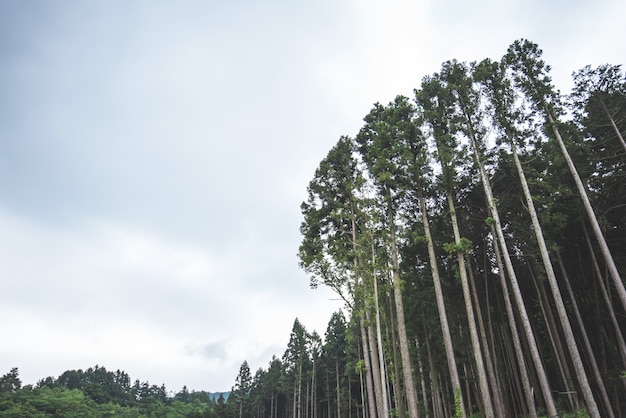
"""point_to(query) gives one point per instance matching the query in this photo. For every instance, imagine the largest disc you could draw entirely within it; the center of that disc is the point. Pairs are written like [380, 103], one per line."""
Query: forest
[475, 232]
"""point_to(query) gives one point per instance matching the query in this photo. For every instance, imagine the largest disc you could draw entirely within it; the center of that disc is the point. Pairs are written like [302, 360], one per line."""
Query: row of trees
[97, 392]
[476, 234]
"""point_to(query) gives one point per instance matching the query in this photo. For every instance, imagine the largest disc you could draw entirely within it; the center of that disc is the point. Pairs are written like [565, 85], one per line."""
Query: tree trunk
[517, 294]
[378, 376]
[606, 252]
[607, 300]
[556, 293]
[371, 399]
[441, 306]
[517, 345]
[397, 392]
[379, 338]
[555, 340]
[613, 124]
[583, 332]
[407, 371]
[482, 376]
[497, 395]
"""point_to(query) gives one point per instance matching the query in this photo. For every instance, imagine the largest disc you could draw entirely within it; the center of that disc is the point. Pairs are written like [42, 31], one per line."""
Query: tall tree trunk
[397, 392]
[422, 381]
[613, 124]
[367, 350]
[407, 371]
[379, 338]
[538, 363]
[482, 376]
[369, 378]
[556, 293]
[607, 300]
[517, 345]
[441, 306]
[337, 389]
[497, 395]
[555, 340]
[378, 376]
[592, 358]
[595, 225]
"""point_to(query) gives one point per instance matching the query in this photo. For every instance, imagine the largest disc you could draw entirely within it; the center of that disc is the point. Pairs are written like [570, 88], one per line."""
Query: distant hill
[214, 396]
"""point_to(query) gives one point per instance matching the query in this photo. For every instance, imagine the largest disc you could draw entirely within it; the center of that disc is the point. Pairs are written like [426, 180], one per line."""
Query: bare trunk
[482, 377]
[583, 332]
[399, 400]
[556, 293]
[517, 345]
[441, 306]
[615, 128]
[364, 335]
[379, 338]
[337, 388]
[497, 395]
[377, 374]
[607, 301]
[555, 341]
[407, 371]
[371, 399]
[606, 252]
[517, 294]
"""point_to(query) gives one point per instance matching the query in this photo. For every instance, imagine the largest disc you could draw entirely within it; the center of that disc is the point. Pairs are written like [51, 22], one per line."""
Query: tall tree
[381, 142]
[438, 104]
[530, 76]
[241, 390]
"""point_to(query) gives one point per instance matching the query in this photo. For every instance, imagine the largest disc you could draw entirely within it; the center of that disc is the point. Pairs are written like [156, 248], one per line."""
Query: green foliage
[464, 246]
[93, 393]
[458, 407]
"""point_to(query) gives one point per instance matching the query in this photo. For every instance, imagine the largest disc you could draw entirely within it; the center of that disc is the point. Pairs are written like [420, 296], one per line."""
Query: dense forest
[475, 232]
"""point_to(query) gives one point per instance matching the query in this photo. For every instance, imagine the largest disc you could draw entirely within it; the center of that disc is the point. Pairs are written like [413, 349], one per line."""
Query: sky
[154, 155]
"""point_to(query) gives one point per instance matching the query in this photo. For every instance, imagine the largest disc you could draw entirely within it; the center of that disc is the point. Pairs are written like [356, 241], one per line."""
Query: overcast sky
[154, 154]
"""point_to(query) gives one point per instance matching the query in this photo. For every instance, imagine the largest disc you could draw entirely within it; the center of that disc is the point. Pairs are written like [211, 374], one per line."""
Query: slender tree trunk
[592, 358]
[371, 399]
[556, 293]
[370, 378]
[482, 376]
[337, 389]
[517, 345]
[422, 381]
[379, 338]
[613, 124]
[407, 371]
[607, 300]
[595, 225]
[555, 340]
[517, 294]
[397, 392]
[441, 306]
[378, 376]
[497, 395]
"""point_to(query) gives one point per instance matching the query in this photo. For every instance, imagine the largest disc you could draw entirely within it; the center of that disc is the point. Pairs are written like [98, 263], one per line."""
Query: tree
[241, 391]
[10, 382]
[530, 75]
[381, 144]
[598, 98]
[437, 100]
